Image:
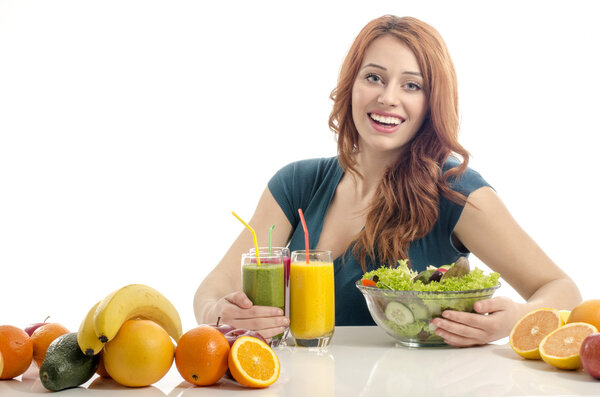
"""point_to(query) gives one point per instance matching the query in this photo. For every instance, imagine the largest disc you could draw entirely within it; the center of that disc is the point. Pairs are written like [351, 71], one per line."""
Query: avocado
[424, 276]
[65, 365]
[459, 269]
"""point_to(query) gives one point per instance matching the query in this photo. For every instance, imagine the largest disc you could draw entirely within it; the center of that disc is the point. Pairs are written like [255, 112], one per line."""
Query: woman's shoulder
[466, 182]
[314, 168]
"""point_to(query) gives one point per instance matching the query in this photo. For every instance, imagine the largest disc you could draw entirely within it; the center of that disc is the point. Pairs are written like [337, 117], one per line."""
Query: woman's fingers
[238, 311]
[492, 305]
[468, 329]
[453, 330]
[239, 299]
[262, 322]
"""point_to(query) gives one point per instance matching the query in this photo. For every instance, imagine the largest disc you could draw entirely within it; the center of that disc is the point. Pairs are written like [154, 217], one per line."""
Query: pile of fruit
[563, 339]
[128, 336]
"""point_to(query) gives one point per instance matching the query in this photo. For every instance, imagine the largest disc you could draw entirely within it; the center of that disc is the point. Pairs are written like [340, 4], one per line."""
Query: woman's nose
[390, 96]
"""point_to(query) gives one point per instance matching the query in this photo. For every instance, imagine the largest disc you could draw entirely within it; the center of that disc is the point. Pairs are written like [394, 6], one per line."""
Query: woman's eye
[373, 78]
[412, 86]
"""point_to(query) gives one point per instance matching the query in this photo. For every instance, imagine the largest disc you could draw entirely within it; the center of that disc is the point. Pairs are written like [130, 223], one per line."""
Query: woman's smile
[384, 122]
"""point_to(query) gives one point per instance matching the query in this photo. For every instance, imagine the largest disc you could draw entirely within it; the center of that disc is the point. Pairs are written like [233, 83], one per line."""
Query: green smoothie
[264, 284]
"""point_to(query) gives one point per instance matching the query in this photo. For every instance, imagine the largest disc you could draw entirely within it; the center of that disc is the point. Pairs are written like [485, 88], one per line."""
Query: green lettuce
[401, 278]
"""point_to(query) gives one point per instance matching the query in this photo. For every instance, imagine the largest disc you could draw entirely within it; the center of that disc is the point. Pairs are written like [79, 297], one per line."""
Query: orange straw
[253, 236]
[305, 232]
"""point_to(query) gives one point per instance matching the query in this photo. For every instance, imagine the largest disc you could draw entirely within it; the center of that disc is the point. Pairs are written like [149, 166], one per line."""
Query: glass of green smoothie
[263, 281]
[285, 253]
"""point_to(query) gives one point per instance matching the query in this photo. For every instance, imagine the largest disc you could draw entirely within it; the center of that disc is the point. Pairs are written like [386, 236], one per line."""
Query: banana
[133, 301]
[86, 337]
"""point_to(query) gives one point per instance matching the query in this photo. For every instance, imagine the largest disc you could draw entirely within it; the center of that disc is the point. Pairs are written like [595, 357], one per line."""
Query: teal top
[311, 184]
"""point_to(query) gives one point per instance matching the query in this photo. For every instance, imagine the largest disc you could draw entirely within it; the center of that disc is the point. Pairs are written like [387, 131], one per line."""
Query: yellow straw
[253, 236]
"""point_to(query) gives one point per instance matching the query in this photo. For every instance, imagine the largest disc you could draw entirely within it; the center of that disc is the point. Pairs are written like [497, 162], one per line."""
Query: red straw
[305, 232]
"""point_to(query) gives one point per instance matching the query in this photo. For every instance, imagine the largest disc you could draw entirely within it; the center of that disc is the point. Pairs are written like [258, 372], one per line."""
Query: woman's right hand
[238, 311]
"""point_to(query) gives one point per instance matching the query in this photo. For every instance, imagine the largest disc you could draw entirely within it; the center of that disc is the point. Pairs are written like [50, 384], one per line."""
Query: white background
[129, 130]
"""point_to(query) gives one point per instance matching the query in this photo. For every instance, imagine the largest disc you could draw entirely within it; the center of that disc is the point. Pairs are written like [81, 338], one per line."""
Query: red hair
[405, 205]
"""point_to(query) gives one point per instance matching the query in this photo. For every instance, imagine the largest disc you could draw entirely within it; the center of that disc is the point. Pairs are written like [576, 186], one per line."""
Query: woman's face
[388, 102]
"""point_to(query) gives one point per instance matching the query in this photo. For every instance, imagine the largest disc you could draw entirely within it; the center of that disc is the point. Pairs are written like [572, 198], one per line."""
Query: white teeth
[385, 119]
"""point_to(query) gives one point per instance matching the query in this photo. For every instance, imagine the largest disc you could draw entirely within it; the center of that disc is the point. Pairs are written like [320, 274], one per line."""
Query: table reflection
[421, 372]
[313, 373]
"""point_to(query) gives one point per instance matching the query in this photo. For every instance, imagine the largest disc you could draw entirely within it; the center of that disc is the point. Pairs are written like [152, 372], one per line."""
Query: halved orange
[253, 363]
[528, 332]
[560, 347]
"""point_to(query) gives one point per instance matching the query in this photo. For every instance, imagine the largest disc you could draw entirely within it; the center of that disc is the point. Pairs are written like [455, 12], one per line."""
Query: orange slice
[1, 363]
[528, 332]
[253, 363]
[560, 348]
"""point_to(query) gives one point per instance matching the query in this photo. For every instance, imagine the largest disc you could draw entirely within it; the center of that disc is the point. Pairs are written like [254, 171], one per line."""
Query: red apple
[232, 336]
[32, 327]
[590, 354]
[222, 328]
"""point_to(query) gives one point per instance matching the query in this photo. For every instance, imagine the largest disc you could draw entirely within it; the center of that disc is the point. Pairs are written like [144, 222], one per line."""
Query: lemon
[564, 315]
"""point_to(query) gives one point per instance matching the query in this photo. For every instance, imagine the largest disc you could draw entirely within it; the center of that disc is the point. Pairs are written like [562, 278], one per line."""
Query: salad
[455, 277]
[403, 301]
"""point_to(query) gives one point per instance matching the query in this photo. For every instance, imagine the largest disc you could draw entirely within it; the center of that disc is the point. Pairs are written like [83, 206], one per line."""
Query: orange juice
[312, 306]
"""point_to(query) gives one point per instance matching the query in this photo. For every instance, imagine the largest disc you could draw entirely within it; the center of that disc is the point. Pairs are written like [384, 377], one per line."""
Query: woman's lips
[385, 122]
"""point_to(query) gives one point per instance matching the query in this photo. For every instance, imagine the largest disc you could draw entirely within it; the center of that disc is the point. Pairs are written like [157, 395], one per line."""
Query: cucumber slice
[419, 310]
[399, 313]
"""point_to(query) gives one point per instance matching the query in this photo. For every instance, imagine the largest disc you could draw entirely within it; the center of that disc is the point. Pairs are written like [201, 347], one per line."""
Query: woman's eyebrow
[374, 65]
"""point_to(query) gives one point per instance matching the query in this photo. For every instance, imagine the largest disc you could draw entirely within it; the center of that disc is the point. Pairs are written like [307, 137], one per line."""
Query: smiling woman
[388, 103]
[130, 129]
[400, 188]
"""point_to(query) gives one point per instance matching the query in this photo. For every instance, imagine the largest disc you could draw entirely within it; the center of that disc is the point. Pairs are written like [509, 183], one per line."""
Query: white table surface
[364, 361]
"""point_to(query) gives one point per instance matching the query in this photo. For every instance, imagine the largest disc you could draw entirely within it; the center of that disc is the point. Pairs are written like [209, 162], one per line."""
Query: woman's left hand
[494, 319]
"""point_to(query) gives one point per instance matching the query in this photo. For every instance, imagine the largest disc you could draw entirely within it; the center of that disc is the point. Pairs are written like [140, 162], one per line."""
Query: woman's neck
[372, 168]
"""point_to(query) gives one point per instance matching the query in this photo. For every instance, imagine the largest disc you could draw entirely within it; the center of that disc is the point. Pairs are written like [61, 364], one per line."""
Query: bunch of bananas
[105, 318]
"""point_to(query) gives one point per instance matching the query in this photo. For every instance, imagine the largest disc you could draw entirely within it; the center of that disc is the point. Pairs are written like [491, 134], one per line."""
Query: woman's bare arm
[220, 295]
[489, 231]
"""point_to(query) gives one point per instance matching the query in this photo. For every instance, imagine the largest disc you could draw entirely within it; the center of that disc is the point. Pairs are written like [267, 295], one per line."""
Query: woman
[396, 190]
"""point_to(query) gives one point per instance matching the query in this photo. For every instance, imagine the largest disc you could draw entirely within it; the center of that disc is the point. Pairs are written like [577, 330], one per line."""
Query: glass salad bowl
[405, 315]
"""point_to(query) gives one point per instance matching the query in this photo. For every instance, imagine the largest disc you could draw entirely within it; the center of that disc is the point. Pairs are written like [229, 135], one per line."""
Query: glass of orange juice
[312, 302]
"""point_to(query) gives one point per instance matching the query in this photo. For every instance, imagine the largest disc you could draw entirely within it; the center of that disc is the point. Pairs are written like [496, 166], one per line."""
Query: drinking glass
[312, 299]
[264, 284]
[285, 253]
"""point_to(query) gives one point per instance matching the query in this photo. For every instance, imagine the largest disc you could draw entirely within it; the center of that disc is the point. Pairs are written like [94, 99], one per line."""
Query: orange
[587, 311]
[140, 354]
[201, 355]
[41, 339]
[101, 368]
[560, 348]
[253, 363]
[528, 332]
[16, 350]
